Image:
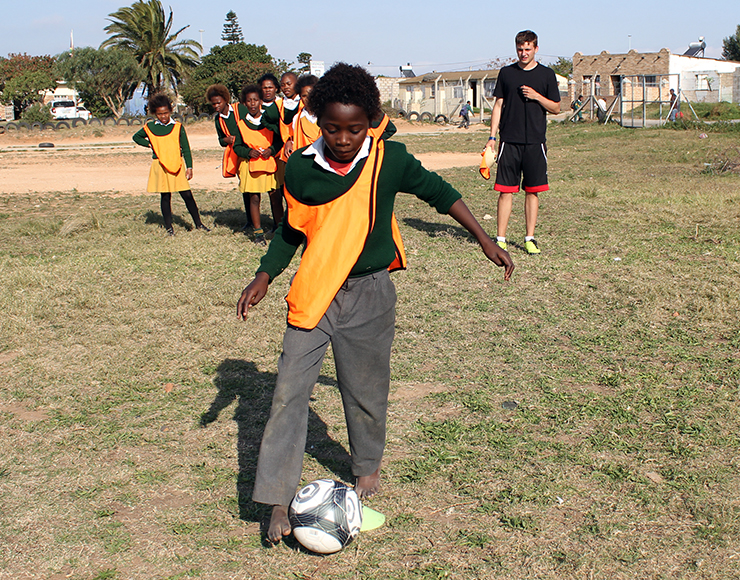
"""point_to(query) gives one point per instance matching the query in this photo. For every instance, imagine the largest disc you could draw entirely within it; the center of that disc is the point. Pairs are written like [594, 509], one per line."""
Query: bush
[37, 113]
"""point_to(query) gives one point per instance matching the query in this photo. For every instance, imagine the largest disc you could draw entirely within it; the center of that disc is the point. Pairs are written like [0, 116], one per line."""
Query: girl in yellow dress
[170, 147]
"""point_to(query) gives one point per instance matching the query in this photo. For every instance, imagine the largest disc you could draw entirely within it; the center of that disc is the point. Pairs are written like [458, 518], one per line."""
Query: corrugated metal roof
[452, 76]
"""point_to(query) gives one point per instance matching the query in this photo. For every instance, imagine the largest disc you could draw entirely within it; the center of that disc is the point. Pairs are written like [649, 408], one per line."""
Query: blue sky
[431, 35]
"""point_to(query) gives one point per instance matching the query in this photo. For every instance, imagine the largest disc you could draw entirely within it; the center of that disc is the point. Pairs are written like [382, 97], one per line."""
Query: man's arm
[495, 120]
[549, 106]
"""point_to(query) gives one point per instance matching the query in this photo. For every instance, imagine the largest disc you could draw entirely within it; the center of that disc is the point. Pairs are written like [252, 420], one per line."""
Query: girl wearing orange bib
[262, 143]
[340, 192]
[167, 173]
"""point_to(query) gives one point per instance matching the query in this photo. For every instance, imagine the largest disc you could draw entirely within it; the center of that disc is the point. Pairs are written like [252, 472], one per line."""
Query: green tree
[731, 46]
[233, 65]
[105, 78]
[563, 66]
[27, 88]
[232, 32]
[143, 30]
[27, 76]
[304, 59]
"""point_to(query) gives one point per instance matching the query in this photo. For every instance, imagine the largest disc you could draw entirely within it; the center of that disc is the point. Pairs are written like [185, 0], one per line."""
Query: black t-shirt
[524, 120]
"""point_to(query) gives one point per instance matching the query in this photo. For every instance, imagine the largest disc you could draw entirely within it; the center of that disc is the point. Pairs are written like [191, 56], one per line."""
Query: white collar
[253, 120]
[228, 113]
[158, 122]
[291, 104]
[309, 116]
[317, 149]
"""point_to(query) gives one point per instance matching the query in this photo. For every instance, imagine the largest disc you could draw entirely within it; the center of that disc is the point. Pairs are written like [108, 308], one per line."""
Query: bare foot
[368, 485]
[279, 524]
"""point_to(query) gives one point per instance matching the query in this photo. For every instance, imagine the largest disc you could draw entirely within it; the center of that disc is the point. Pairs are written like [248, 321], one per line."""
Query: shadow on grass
[241, 381]
[156, 218]
[234, 219]
[436, 229]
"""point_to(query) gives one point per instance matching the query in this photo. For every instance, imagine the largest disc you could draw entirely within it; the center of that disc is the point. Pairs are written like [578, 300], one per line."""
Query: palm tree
[142, 30]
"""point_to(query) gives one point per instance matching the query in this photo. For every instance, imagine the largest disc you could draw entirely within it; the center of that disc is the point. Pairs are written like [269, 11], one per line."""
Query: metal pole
[644, 104]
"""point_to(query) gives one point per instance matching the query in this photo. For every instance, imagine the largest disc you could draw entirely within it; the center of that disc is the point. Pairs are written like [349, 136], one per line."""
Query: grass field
[580, 421]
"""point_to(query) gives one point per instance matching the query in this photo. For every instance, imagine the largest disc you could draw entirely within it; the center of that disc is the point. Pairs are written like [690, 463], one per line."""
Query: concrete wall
[388, 87]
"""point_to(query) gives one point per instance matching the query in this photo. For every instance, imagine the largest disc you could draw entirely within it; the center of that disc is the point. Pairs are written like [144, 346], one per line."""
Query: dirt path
[89, 160]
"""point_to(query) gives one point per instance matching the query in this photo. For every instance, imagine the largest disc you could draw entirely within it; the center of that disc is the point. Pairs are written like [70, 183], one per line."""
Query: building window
[703, 83]
[457, 92]
[488, 87]
[651, 81]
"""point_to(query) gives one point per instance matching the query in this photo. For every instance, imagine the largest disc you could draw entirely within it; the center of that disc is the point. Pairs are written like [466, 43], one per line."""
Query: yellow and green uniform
[170, 146]
[256, 175]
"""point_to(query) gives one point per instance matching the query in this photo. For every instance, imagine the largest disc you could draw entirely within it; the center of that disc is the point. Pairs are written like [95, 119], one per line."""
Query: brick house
[700, 79]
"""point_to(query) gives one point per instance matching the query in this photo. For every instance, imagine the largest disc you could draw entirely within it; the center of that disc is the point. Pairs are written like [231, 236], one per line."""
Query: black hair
[249, 89]
[305, 81]
[158, 100]
[218, 91]
[288, 74]
[349, 85]
[269, 77]
[526, 36]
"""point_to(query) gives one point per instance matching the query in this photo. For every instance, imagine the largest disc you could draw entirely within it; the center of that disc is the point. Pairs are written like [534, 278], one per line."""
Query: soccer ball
[325, 516]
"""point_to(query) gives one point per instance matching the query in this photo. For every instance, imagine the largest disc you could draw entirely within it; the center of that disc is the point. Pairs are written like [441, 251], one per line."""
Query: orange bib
[255, 139]
[336, 233]
[304, 131]
[167, 148]
[230, 162]
[378, 131]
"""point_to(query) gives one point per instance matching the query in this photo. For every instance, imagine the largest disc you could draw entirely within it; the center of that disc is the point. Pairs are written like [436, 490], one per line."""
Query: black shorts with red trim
[516, 160]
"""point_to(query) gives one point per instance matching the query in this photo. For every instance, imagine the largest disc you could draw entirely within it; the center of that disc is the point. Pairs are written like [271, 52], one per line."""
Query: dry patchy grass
[580, 421]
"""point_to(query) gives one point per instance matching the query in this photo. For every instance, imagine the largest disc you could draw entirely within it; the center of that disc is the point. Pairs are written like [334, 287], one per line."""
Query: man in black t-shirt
[525, 92]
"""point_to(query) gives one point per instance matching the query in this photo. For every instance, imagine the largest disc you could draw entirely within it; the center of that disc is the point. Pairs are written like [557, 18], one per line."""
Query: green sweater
[311, 184]
[272, 114]
[243, 150]
[141, 138]
[239, 147]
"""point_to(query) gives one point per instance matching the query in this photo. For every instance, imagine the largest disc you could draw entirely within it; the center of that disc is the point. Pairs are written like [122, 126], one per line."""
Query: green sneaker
[531, 247]
[501, 245]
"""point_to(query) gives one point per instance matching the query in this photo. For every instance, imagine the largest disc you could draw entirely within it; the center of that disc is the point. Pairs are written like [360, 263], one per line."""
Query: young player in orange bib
[340, 192]
[168, 173]
[229, 136]
[262, 143]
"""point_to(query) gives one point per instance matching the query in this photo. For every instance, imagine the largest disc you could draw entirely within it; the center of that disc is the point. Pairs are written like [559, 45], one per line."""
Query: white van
[66, 109]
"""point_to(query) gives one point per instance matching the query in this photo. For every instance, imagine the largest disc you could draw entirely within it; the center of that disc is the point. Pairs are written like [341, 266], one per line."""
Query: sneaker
[260, 240]
[170, 232]
[531, 247]
[501, 245]
[204, 228]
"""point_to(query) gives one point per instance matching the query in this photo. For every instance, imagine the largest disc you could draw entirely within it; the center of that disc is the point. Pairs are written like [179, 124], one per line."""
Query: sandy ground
[105, 160]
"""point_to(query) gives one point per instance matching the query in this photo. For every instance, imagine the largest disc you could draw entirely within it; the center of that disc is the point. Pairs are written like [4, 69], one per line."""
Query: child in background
[274, 111]
[340, 193]
[305, 127]
[230, 138]
[169, 144]
[262, 142]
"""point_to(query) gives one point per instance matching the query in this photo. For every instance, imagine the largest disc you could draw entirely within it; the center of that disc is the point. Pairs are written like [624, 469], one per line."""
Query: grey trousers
[360, 325]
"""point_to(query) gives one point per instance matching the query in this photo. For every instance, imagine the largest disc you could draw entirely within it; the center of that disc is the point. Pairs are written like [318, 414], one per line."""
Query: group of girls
[259, 134]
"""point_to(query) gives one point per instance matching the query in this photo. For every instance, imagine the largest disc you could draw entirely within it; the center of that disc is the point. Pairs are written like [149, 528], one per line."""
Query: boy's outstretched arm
[252, 294]
[460, 212]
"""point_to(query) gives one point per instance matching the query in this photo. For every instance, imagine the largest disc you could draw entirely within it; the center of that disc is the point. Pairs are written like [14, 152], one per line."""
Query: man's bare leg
[368, 485]
[505, 201]
[531, 208]
[279, 524]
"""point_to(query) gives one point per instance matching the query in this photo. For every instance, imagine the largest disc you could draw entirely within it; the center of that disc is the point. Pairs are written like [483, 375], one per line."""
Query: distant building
[434, 94]
[699, 79]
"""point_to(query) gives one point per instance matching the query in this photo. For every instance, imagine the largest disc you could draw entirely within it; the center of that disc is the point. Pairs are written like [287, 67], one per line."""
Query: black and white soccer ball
[325, 516]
